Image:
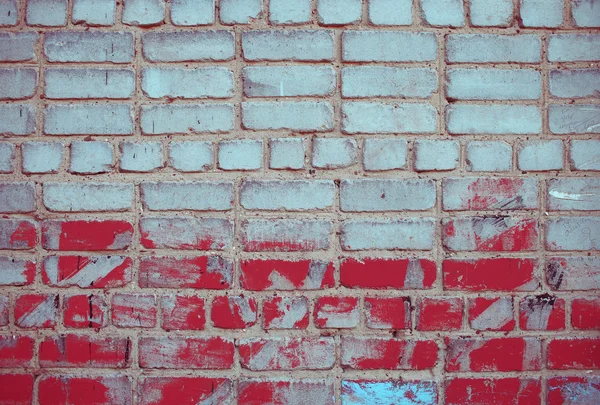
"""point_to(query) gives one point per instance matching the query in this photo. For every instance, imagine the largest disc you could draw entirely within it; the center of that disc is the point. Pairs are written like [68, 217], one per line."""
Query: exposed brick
[494, 313]
[573, 233]
[239, 11]
[387, 195]
[501, 391]
[542, 312]
[573, 47]
[376, 391]
[565, 390]
[65, 83]
[299, 116]
[202, 272]
[7, 157]
[382, 118]
[334, 153]
[574, 354]
[35, 311]
[17, 119]
[87, 197]
[493, 84]
[188, 46]
[94, 12]
[41, 157]
[439, 314]
[289, 11]
[173, 352]
[17, 389]
[384, 234]
[373, 353]
[577, 194]
[17, 197]
[18, 234]
[488, 156]
[585, 313]
[192, 12]
[388, 46]
[540, 155]
[339, 12]
[573, 273]
[87, 271]
[336, 312]
[197, 196]
[285, 235]
[87, 46]
[296, 195]
[390, 12]
[18, 83]
[203, 82]
[287, 353]
[541, 13]
[493, 119]
[486, 13]
[297, 45]
[383, 273]
[384, 154]
[287, 153]
[17, 46]
[240, 154]
[15, 351]
[585, 14]
[143, 12]
[133, 311]
[574, 119]
[66, 389]
[91, 157]
[86, 235]
[437, 155]
[501, 274]
[443, 12]
[282, 391]
[489, 193]
[48, 13]
[273, 274]
[285, 313]
[180, 312]
[70, 351]
[490, 48]
[186, 118]
[9, 12]
[85, 311]
[387, 312]
[574, 83]
[186, 233]
[159, 390]
[82, 119]
[288, 81]
[141, 156]
[233, 312]
[191, 156]
[16, 272]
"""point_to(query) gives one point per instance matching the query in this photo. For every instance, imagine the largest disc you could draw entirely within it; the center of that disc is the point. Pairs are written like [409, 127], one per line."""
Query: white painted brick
[371, 195]
[489, 156]
[386, 234]
[287, 153]
[374, 118]
[87, 46]
[540, 155]
[573, 47]
[89, 83]
[383, 81]
[573, 233]
[493, 119]
[9, 13]
[390, 12]
[7, 157]
[41, 157]
[290, 195]
[17, 119]
[94, 12]
[575, 83]
[49, 13]
[443, 13]
[143, 12]
[82, 119]
[17, 197]
[491, 193]
[188, 46]
[286, 235]
[339, 12]
[384, 154]
[187, 195]
[17, 84]
[436, 155]
[493, 84]
[187, 118]
[202, 82]
[241, 154]
[491, 13]
[239, 11]
[91, 157]
[289, 11]
[334, 153]
[388, 46]
[300, 116]
[87, 197]
[577, 194]
[585, 154]
[140, 157]
[574, 119]
[300, 45]
[192, 12]
[586, 13]
[191, 156]
[288, 81]
[489, 48]
[17, 46]
[541, 13]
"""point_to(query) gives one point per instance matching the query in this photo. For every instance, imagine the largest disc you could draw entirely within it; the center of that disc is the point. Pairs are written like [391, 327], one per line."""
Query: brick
[493, 119]
[186, 118]
[493, 84]
[233, 312]
[444, 13]
[285, 235]
[585, 155]
[18, 83]
[388, 46]
[274, 274]
[382, 81]
[88, 197]
[86, 235]
[565, 390]
[380, 353]
[574, 354]
[188, 195]
[490, 48]
[186, 233]
[65, 389]
[585, 313]
[288, 81]
[203, 82]
[380, 118]
[336, 312]
[174, 352]
[437, 155]
[574, 83]
[191, 156]
[483, 355]
[384, 154]
[17, 389]
[485, 13]
[188, 46]
[15, 351]
[292, 195]
[17, 119]
[387, 312]
[573, 233]
[48, 13]
[17, 197]
[435, 314]
[489, 193]
[16, 272]
[390, 12]
[141, 156]
[540, 155]
[289, 11]
[574, 119]
[542, 312]
[573, 47]
[82, 119]
[287, 153]
[143, 12]
[293, 45]
[576, 194]
[75, 351]
[585, 14]
[9, 13]
[369, 195]
[240, 154]
[89, 157]
[381, 273]
[503, 391]
[285, 313]
[488, 156]
[541, 13]
[387, 234]
[133, 311]
[491, 314]
[41, 157]
[192, 12]
[78, 83]
[4, 311]
[36, 311]
[490, 234]
[88, 46]
[287, 353]
[339, 12]
[361, 392]
[85, 311]
[573, 273]
[239, 11]
[200, 272]
[7, 157]
[17, 234]
[334, 153]
[87, 271]
[17, 46]
[285, 391]
[159, 390]
[297, 116]
[497, 274]
[94, 12]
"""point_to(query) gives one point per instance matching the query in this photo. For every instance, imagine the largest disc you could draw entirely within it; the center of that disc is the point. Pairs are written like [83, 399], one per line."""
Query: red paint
[15, 351]
[291, 353]
[487, 193]
[388, 312]
[329, 309]
[278, 392]
[70, 266]
[532, 307]
[134, 311]
[275, 309]
[181, 390]
[84, 311]
[439, 314]
[502, 274]
[497, 391]
[522, 236]
[30, 307]
[574, 390]
[84, 351]
[187, 272]
[17, 389]
[258, 275]
[392, 354]
[25, 234]
[228, 312]
[152, 241]
[479, 305]
[183, 313]
[574, 354]
[585, 313]
[84, 390]
[382, 273]
[88, 235]
[175, 352]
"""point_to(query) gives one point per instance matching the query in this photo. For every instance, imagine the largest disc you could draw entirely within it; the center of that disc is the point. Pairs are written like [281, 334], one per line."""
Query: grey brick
[489, 156]
[9, 13]
[94, 12]
[488, 48]
[41, 157]
[301, 45]
[7, 157]
[443, 13]
[289, 11]
[586, 13]
[493, 119]
[239, 11]
[17, 119]
[86, 46]
[388, 46]
[491, 13]
[370, 195]
[202, 82]
[493, 84]
[141, 157]
[574, 119]
[17, 46]
[17, 83]
[436, 154]
[82, 119]
[87, 197]
[390, 12]
[334, 153]
[577, 194]
[386, 234]
[573, 233]
[184, 46]
[541, 13]
[240, 154]
[575, 83]
[573, 47]
[191, 156]
[187, 233]
[17, 197]
[187, 118]
[192, 12]
[489, 193]
[290, 195]
[143, 12]
[300, 116]
[384, 154]
[288, 81]
[91, 157]
[89, 83]
[287, 153]
[569, 273]
[49, 13]
[540, 155]
[187, 195]
[339, 12]
[585, 154]
[380, 118]
[285, 235]
[383, 81]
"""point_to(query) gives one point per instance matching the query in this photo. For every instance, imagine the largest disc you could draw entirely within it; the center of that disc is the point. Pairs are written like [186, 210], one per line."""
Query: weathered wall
[299, 202]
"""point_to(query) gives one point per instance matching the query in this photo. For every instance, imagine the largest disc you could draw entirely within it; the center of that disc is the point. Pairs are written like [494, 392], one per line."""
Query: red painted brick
[585, 313]
[574, 354]
[80, 389]
[184, 391]
[490, 234]
[15, 351]
[18, 234]
[85, 351]
[87, 271]
[387, 312]
[439, 314]
[17, 389]
[202, 272]
[259, 275]
[85, 311]
[35, 311]
[134, 311]
[285, 313]
[372, 353]
[495, 313]
[174, 352]
[336, 312]
[497, 391]
[233, 312]
[16, 272]
[86, 235]
[573, 391]
[489, 193]
[474, 354]
[180, 312]
[501, 274]
[284, 392]
[186, 233]
[542, 312]
[381, 273]
[287, 353]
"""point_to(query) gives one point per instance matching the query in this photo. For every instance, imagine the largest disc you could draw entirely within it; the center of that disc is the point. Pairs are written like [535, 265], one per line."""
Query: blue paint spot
[389, 393]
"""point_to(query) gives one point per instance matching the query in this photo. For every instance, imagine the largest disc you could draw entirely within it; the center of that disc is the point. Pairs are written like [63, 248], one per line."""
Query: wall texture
[300, 202]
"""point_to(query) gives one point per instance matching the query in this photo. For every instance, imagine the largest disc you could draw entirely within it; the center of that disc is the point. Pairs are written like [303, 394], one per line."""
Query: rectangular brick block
[489, 193]
[85, 311]
[358, 392]
[542, 312]
[288, 81]
[16, 351]
[65, 83]
[574, 354]
[17, 119]
[379, 353]
[493, 84]
[233, 312]
[491, 313]
[501, 274]
[17, 389]
[88, 46]
[296, 45]
[573, 47]
[186, 233]
[273, 274]
[379, 118]
[388, 46]
[202, 82]
[287, 353]
[383, 81]
[254, 391]
[86, 235]
[574, 83]
[585, 313]
[87, 271]
[196, 196]
[480, 391]
[180, 312]
[562, 390]
[74, 351]
[493, 119]
[98, 389]
[573, 273]
[387, 195]
[434, 314]
[36, 311]
[577, 194]
[133, 311]
[18, 83]
[188, 46]
[573, 233]
[188, 118]
[493, 48]
[174, 352]
[298, 116]
[336, 312]
[87, 197]
[388, 312]
[285, 313]
[295, 195]
[574, 119]
[17, 46]
[159, 390]
[202, 272]
[82, 119]
[17, 197]
[285, 235]
[395, 234]
[18, 234]
[16, 272]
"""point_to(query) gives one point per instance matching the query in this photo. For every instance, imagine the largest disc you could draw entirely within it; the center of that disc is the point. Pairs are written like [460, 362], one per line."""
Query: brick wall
[300, 202]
